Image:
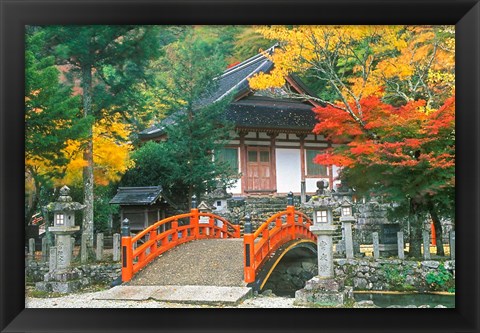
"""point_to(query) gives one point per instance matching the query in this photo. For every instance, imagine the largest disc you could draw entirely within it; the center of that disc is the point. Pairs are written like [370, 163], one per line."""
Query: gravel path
[212, 262]
[86, 300]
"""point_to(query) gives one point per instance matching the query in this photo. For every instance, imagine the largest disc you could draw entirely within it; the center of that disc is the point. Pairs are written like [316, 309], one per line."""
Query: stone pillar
[99, 249]
[426, 244]
[31, 249]
[116, 247]
[376, 249]
[83, 249]
[401, 251]
[452, 245]
[44, 249]
[64, 251]
[52, 263]
[347, 227]
[325, 256]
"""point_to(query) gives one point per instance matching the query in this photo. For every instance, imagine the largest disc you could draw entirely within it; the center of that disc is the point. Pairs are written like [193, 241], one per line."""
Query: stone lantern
[64, 226]
[60, 278]
[324, 289]
[218, 198]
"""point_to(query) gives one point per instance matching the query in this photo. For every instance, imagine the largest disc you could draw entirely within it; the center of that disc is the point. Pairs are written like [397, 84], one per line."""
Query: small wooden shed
[143, 206]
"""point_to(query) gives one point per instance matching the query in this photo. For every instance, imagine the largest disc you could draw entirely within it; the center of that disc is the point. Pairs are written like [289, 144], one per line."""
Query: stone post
[452, 245]
[31, 249]
[44, 249]
[376, 247]
[347, 227]
[401, 251]
[426, 244]
[52, 264]
[83, 249]
[303, 192]
[116, 247]
[72, 240]
[99, 249]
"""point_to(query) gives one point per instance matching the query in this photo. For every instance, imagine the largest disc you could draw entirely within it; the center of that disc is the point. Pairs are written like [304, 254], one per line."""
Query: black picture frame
[16, 14]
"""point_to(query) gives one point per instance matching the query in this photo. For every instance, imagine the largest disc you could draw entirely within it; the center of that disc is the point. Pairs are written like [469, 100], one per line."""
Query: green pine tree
[52, 116]
[109, 62]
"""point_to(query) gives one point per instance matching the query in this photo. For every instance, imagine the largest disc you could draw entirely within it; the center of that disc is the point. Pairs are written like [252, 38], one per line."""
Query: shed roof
[139, 196]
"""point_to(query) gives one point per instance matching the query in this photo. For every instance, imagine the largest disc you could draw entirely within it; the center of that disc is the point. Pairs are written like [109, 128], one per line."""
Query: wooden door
[258, 169]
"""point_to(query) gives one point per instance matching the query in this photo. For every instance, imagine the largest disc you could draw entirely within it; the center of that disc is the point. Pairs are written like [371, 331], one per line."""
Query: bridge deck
[210, 262]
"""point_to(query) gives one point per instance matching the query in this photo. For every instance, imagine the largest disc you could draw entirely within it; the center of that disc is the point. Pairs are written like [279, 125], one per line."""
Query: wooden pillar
[433, 236]
[302, 155]
[145, 224]
[273, 161]
[243, 160]
[303, 185]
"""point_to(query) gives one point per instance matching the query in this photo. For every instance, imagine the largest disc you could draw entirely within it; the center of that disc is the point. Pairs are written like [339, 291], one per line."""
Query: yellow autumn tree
[111, 152]
[401, 63]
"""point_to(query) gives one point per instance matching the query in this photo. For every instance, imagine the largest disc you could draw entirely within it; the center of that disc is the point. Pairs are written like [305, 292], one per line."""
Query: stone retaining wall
[103, 273]
[369, 274]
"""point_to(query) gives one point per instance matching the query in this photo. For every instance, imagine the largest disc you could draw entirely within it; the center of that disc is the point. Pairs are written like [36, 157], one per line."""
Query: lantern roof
[64, 202]
[319, 202]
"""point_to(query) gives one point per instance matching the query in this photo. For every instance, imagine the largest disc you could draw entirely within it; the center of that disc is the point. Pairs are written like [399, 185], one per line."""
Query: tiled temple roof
[251, 111]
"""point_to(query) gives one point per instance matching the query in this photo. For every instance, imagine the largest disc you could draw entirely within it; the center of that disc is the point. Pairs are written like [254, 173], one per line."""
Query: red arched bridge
[262, 248]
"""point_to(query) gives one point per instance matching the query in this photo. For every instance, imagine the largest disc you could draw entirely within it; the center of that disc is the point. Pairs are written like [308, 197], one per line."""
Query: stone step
[193, 294]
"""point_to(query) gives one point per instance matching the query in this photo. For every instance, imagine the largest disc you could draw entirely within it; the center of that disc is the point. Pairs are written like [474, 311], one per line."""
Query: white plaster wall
[288, 170]
[237, 188]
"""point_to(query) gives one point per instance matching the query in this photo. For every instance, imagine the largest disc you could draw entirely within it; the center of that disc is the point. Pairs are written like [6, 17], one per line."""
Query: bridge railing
[139, 250]
[279, 229]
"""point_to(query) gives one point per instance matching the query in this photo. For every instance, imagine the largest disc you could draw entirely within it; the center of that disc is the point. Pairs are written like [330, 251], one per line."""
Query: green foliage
[116, 58]
[248, 42]
[441, 279]
[183, 164]
[395, 276]
[150, 166]
[102, 209]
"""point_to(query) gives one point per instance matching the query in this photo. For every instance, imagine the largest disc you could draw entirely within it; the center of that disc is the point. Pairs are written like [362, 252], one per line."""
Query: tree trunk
[416, 227]
[32, 207]
[438, 228]
[87, 223]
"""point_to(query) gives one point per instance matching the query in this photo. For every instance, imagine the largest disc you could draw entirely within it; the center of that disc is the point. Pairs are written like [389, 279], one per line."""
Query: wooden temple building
[273, 145]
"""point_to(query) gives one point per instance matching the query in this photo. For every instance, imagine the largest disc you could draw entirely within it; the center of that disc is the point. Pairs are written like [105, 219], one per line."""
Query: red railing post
[127, 252]
[224, 230]
[211, 227]
[237, 231]
[175, 234]
[291, 215]
[194, 222]
[249, 253]
[194, 219]
[291, 221]
[153, 236]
